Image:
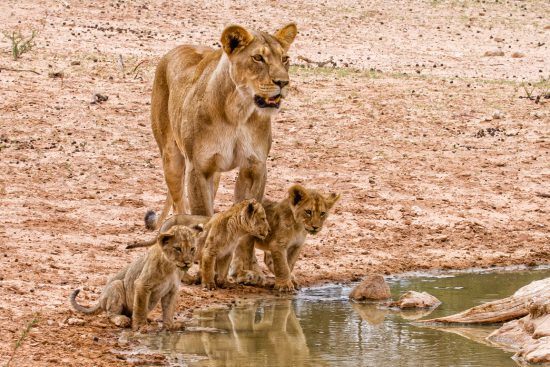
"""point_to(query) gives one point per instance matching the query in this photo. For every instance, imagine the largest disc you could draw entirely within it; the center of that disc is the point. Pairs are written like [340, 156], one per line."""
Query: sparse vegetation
[23, 336]
[19, 43]
[538, 90]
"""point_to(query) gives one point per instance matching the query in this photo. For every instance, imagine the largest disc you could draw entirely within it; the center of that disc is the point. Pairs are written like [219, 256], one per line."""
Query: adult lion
[211, 112]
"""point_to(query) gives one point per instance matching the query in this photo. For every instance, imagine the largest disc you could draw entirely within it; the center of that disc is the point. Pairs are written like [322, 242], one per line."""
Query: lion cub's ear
[198, 228]
[286, 35]
[235, 38]
[165, 238]
[297, 193]
[331, 199]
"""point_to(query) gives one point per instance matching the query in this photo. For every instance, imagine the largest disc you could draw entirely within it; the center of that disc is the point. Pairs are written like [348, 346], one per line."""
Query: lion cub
[303, 211]
[154, 277]
[221, 236]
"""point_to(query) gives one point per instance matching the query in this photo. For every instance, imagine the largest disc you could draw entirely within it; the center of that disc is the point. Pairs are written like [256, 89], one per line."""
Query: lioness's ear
[297, 193]
[164, 238]
[235, 38]
[286, 35]
[332, 199]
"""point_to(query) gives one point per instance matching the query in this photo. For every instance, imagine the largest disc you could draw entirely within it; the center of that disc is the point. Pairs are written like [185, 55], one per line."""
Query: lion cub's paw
[284, 286]
[250, 277]
[209, 286]
[121, 321]
[295, 282]
[175, 326]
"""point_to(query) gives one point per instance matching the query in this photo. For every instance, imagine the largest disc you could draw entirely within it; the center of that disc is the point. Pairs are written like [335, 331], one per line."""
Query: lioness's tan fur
[303, 211]
[221, 236]
[154, 277]
[211, 112]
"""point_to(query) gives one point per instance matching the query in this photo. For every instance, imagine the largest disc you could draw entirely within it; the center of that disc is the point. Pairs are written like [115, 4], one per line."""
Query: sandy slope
[402, 127]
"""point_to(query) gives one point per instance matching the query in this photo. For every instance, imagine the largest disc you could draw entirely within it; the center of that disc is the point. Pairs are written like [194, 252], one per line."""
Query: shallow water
[320, 327]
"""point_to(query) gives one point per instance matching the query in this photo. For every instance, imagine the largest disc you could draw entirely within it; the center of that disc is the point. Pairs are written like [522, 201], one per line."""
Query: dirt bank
[440, 161]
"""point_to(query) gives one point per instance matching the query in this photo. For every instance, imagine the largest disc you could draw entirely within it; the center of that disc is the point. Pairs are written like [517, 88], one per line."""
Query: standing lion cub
[154, 277]
[222, 234]
[291, 219]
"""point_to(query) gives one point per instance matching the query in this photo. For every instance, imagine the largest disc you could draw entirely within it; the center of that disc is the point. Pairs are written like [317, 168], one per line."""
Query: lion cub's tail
[85, 310]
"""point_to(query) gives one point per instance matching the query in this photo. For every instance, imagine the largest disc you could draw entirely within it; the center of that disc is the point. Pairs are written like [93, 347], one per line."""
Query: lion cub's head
[179, 245]
[253, 219]
[259, 63]
[310, 207]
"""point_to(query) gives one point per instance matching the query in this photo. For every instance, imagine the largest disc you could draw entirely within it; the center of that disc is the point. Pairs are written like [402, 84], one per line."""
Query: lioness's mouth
[269, 102]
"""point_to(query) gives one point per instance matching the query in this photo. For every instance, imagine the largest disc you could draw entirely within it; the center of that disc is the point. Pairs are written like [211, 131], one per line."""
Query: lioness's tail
[152, 220]
[85, 310]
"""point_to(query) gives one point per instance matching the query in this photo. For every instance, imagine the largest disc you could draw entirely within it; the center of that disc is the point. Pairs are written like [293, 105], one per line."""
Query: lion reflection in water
[248, 334]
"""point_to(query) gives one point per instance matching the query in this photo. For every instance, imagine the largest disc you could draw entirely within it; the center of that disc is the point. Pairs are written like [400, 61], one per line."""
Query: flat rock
[413, 299]
[75, 321]
[373, 288]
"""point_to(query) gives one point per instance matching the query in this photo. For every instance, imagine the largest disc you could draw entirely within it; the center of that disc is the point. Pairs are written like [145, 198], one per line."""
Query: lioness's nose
[280, 83]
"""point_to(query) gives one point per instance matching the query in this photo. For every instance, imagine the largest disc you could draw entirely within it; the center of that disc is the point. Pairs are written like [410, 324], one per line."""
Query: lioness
[154, 277]
[303, 211]
[221, 236]
[211, 112]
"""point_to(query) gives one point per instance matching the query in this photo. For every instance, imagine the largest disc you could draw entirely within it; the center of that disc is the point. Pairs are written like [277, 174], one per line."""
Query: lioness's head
[310, 207]
[253, 219]
[259, 63]
[179, 245]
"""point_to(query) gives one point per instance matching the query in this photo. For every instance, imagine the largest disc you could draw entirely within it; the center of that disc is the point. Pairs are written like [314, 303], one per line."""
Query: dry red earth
[440, 161]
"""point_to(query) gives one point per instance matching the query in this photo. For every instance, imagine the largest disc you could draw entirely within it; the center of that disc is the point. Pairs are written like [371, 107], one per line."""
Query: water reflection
[320, 327]
[250, 334]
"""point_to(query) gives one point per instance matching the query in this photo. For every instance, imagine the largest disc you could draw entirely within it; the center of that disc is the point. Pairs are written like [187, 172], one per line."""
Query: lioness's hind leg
[115, 303]
[173, 165]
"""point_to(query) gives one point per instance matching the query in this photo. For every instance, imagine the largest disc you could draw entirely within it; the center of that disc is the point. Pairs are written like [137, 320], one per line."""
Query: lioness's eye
[177, 249]
[323, 214]
[258, 58]
[308, 213]
[193, 250]
[285, 59]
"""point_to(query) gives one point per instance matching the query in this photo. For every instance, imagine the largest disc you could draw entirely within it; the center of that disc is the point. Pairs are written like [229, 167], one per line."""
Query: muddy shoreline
[440, 157]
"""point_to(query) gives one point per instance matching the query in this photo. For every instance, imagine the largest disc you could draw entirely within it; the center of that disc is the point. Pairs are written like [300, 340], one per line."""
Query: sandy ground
[441, 161]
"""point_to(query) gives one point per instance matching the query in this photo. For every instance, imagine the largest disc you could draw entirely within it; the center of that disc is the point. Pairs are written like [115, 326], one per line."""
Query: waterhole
[320, 327]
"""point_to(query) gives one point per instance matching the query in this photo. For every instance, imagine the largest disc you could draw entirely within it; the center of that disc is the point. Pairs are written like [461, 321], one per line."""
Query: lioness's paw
[284, 286]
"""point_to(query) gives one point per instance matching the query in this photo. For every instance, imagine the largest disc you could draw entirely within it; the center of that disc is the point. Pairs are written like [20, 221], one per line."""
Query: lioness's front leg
[141, 305]
[283, 282]
[251, 181]
[168, 303]
[200, 190]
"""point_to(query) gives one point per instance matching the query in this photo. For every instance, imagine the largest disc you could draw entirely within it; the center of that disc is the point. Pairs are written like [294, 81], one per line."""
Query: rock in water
[413, 299]
[373, 288]
[530, 335]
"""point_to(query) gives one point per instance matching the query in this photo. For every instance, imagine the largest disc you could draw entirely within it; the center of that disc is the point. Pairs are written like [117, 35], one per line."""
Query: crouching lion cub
[303, 211]
[154, 277]
[221, 236]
